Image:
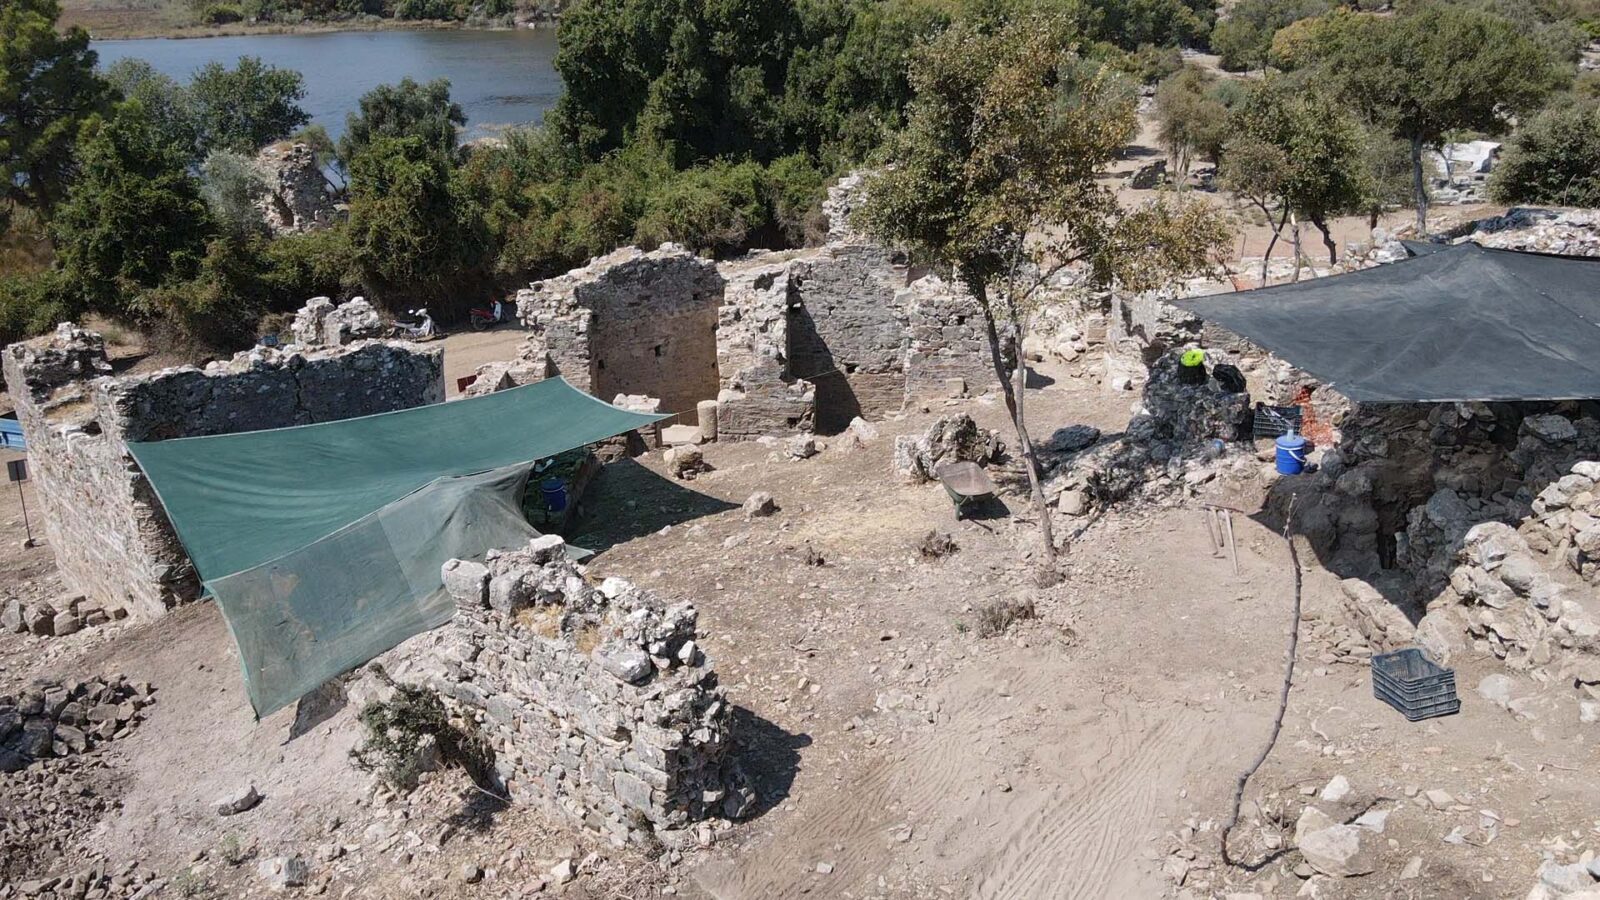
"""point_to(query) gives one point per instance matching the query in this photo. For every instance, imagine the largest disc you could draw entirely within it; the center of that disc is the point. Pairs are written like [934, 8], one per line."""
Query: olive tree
[1432, 70]
[1296, 155]
[994, 178]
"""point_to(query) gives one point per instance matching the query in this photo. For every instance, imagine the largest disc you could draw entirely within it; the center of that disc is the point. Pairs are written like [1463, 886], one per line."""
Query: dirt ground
[1088, 752]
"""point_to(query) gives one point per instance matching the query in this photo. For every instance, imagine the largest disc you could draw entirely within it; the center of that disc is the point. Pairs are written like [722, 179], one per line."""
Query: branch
[1283, 694]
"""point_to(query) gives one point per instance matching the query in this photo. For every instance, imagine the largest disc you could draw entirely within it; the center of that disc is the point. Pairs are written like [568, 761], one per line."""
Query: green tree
[231, 185]
[247, 107]
[414, 232]
[48, 88]
[166, 103]
[1244, 38]
[133, 218]
[1296, 155]
[1191, 111]
[995, 177]
[407, 109]
[1554, 158]
[1431, 70]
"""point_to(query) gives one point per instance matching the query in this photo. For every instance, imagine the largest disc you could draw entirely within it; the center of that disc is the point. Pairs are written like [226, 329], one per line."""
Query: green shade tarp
[322, 543]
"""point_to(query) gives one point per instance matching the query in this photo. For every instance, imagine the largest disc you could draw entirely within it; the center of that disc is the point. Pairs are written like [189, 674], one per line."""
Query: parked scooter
[484, 319]
[422, 329]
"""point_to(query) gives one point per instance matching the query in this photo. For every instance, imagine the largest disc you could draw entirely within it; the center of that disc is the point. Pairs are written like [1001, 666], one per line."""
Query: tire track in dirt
[1078, 843]
[1071, 838]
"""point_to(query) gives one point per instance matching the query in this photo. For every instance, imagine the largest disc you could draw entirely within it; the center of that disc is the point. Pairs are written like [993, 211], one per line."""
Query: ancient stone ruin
[62, 719]
[321, 323]
[297, 198]
[781, 342]
[112, 542]
[596, 699]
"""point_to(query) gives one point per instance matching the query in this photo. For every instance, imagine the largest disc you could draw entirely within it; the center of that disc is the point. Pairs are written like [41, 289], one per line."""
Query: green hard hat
[1193, 357]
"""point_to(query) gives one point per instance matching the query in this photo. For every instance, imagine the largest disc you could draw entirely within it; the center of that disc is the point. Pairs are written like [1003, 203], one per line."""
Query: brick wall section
[596, 700]
[111, 539]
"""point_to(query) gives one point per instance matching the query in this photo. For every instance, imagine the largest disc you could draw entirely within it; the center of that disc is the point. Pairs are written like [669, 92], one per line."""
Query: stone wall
[296, 198]
[111, 539]
[848, 332]
[597, 701]
[758, 395]
[633, 323]
[948, 351]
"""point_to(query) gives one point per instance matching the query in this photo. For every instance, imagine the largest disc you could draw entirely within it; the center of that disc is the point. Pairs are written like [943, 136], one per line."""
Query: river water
[500, 78]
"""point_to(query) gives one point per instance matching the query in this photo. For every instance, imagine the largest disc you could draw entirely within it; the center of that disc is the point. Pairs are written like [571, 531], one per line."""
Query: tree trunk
[1419, 191]
[1277, 230]
[1012, 384]
[1327, 239]
[1297, 253]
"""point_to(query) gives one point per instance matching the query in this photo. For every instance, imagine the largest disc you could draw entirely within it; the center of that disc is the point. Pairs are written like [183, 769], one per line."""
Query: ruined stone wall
[633, 323]
[948, 351]
[759, 396]
[848, 332]
[596, 700]
[111, 539]
[296, 198]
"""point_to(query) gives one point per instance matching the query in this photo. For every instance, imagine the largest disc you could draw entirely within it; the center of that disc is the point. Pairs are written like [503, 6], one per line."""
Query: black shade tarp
[1461, 323]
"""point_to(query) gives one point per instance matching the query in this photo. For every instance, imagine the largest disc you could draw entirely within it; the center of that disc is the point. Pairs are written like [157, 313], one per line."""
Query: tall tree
[247, 107]
[407, 109]
[133, 219]
[1296, 155]
[1432, 69]
[995, 177]
[48, 88]
[413, 231]
[1191, 110]
[167, 105]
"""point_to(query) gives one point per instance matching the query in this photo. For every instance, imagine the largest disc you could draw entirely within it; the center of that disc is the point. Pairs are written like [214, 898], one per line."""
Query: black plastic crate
[1414, 684]
[1275, 421]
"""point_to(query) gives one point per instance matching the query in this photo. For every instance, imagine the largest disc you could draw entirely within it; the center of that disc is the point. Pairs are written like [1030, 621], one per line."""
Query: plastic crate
[1414, 684]
[1275, 421]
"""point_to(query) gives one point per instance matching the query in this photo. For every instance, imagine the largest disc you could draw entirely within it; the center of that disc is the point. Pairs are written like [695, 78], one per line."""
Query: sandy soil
[898, 753]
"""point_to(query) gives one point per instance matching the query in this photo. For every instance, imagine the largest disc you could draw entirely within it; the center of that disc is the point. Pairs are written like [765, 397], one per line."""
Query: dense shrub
[1554, 158]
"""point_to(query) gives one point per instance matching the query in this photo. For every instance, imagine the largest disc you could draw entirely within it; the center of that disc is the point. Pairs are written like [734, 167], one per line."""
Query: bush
[32, 304]
[221, 14]
[399, 731]
[715, 208]
[795, 192]
[1553, 159]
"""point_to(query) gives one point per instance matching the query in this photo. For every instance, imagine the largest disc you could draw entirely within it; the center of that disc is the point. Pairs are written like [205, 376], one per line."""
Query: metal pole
[25, 524]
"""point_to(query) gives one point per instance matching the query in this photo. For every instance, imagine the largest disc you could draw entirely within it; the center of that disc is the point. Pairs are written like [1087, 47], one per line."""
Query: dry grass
[997, 617]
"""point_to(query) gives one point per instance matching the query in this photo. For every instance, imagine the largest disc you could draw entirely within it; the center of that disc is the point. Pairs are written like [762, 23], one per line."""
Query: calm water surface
[500, 78]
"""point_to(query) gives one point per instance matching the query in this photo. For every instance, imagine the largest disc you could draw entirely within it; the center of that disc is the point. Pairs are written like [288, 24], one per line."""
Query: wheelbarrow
[966, 482]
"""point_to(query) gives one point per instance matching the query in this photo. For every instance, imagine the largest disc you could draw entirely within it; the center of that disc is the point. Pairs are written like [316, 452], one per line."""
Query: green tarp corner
[323, 543]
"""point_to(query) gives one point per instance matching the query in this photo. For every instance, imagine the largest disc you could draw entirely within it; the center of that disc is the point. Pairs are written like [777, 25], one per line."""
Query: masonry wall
[634, 323]
[597, 701]
[112, 541]
[848, 333]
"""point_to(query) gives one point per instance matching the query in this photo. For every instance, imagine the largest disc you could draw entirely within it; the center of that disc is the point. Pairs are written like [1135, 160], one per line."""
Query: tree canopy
[48, 89]
[407, 109]
[247, 107]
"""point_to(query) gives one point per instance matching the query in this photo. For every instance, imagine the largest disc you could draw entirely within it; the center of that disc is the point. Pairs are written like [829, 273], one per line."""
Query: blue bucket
[1291, 454]
[555, 494]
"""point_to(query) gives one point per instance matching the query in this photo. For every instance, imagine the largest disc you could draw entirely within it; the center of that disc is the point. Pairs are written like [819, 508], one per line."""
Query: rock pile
[1565, 232]
[55, 618]
[1521, 593]
[948, 439]
[52, 720]
[322, 324]
[596, 700]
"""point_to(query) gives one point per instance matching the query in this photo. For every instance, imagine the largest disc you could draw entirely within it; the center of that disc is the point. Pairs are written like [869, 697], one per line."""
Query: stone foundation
[111, 539]
[596, 700]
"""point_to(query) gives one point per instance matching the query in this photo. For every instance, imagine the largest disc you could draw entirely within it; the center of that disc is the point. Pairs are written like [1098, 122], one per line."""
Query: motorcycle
[484, 319]
[422, 329]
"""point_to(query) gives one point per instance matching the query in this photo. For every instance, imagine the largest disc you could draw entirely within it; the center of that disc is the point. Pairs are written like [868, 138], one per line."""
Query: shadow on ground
[627, 500]
[769, 755]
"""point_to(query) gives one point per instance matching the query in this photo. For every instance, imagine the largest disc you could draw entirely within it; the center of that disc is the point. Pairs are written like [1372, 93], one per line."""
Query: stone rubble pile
[948, 439]
[52, 720]
[596, 699]
[322, 324]
[55, 618]
[1574, 232]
